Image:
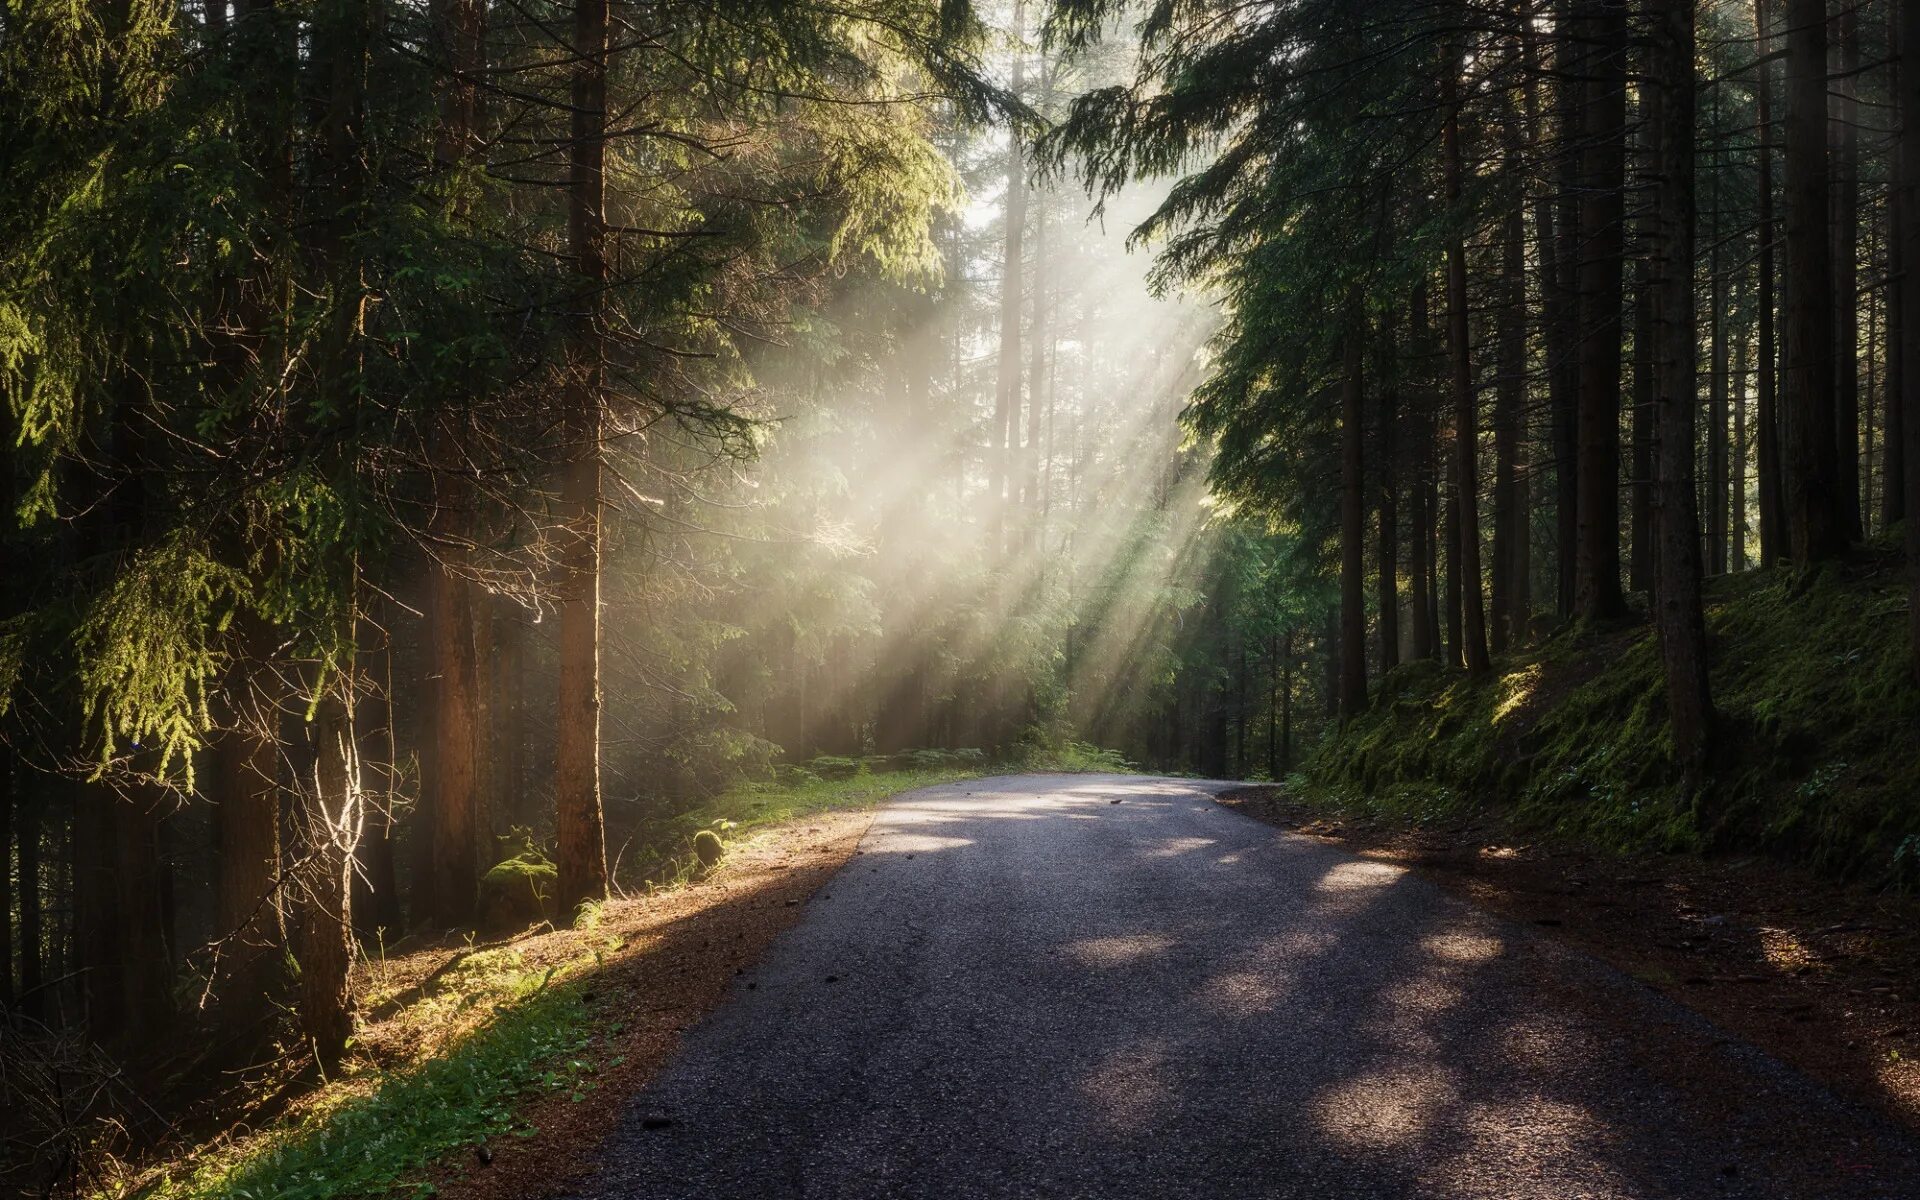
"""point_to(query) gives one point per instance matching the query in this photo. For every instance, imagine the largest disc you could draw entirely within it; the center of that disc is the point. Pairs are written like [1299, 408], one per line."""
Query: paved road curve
[1022, 988]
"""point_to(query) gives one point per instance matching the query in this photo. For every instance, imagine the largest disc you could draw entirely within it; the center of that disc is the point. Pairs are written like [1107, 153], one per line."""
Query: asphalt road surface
[1020, 987]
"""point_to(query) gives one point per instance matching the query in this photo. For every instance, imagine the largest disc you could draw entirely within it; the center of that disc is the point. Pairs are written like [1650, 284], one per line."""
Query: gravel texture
[1108, 986]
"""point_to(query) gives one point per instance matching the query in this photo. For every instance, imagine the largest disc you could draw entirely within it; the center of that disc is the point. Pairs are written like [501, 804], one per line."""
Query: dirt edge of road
[1823, 978]
[685, 948]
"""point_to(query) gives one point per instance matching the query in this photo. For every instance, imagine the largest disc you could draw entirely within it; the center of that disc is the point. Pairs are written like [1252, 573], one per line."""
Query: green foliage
[384, 1139]
[1812, 757]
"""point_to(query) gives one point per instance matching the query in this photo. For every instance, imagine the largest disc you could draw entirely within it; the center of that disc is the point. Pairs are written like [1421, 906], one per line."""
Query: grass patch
[458, 1043]
[377, 1132]
[1813, 760]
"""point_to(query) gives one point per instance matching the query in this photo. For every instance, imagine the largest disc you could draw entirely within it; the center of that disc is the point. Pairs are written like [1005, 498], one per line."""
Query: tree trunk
[1597, 593]
[1353, 529]
[1640, 467]
[1420, 580]
[33, 932]
[1719, 496]
[1465, 431]
[1564, 381]
[1893, 463]
[1286, 705]
[1769, 463]
[1845, 226]
[1815, 531]
[1678, 620]
[1909, 333]
[1742, 451]
[1002, 482]
[376, 892]
[451, 789]
[1509, 398]
[327, 825]
[1388, 546]
[247, 835]
[576, 766]
[9, 803]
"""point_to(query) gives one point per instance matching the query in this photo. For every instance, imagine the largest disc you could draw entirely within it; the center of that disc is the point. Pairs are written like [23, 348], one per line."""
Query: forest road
[1109, 986]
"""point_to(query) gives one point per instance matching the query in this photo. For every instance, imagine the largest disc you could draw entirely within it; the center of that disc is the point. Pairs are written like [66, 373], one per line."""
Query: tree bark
[1769, 464]
[1388, 542]
[1564, 383]
[1719, 496]
[247, 835]
[33, 932]
[1909, 333]
[1845, 225]
[1815, 531]
[1002, 482]
[1678, 620]
[1353, 532]
[1509, 397]
[1597, 593]
[327, 825]
[580, 825]
[1425, 637]
[1465, 434]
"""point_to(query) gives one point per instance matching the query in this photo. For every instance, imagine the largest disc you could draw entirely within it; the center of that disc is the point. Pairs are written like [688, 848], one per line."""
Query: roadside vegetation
[1813, 764]
[458, 1043]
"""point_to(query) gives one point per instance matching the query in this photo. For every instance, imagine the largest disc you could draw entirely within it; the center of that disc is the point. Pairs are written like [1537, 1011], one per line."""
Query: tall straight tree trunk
[29, 830]
[1640, 465]
[1769, 463]
[1742, 452]
[1845, 225]
[1473, 645]
[1388, 544]
[1286, 705]
[247, 834]
[1893, 458]
[1425, 638]
[1509, 397]
[576, 758]
[1893, 467]
[1677, 613]
[1719, 496]
[1353, 523]
[451, 786]
[376, 889]
[1037, 369]
[1273, 706]
[451, 789]
[327, 827]
[1815, 530]
[9, 806]
[1909, 332]
[1002, 482]
[1602, 211]
[1564, 395]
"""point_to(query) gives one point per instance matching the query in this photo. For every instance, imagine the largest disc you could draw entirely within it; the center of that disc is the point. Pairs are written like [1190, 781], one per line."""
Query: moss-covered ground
[1816, 757]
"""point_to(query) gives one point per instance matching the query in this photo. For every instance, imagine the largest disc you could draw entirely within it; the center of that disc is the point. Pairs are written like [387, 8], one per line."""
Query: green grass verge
[1813, 763]
[382, 1133]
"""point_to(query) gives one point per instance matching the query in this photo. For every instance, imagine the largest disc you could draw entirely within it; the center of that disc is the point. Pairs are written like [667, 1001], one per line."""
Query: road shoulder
[1823, 978]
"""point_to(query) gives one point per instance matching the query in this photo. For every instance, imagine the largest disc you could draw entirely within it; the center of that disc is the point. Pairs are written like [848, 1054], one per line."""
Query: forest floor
[1822, 976]
[487, 1068]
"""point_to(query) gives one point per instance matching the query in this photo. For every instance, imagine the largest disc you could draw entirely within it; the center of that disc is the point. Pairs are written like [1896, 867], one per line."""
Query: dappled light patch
[1358, 876]
[1243, 993]
[1118, 950]
[1174, 847]
[1463, 946]
[1383, 1109]
[1130, 1088]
